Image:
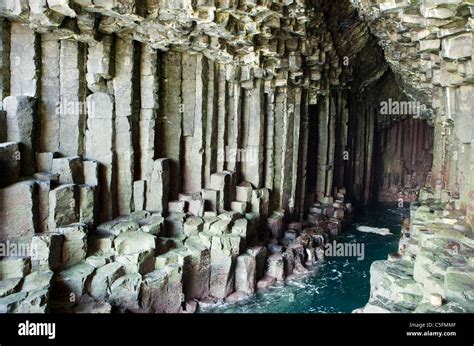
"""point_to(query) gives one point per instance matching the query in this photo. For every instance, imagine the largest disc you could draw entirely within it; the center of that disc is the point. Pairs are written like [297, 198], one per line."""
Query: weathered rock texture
[164, 143]
[433, 270]
[429, 47]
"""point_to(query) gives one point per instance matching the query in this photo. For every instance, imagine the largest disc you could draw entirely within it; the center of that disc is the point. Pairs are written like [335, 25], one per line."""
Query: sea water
[339, 284]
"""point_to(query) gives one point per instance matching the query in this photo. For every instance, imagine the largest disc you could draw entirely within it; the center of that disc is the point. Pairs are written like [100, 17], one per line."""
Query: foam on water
[375, 230]
[340, 284]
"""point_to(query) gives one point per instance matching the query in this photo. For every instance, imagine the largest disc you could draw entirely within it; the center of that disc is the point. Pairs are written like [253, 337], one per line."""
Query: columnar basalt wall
[393, 145]
[231, 95]
[202, 150]
[429, 46]
[405, 151]
[160, 150]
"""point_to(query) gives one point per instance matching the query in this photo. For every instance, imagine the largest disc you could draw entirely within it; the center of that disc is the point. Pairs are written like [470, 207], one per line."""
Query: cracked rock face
[432, 271]
[154, 153]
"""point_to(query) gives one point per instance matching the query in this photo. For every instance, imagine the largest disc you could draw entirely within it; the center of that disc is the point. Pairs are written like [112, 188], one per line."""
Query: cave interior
[137, 127]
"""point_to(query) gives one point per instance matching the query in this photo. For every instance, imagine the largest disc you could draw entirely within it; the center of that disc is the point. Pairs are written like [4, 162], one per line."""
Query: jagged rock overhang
[158, 92]
[290, 45]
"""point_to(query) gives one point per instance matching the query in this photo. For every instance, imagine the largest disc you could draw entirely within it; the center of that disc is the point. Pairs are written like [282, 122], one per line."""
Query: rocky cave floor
[146, 263]
[122, 124]
[433, 270]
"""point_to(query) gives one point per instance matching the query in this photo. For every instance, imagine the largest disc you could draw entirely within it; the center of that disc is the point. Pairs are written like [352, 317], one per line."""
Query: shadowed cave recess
[162, 156]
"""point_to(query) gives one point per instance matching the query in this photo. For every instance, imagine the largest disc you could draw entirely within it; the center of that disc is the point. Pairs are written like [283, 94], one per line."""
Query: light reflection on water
[339, 285]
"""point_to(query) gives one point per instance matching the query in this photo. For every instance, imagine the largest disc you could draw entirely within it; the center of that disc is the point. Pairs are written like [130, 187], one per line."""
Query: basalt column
[404, 155]
[158, 151]
[390, 149]
[430, 51]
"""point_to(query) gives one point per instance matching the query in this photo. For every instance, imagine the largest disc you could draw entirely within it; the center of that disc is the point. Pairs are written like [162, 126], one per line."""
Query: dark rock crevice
[156, 143]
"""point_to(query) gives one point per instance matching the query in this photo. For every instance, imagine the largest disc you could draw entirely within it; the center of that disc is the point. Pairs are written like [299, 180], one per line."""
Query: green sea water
[339, 284]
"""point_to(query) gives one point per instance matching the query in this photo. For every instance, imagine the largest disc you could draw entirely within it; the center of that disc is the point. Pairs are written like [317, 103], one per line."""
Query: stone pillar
[99, 146]
[370, 124]
[438, 155]
[469, 190]
[125, 121]
[324, 134]
[18, 210]
[224, 252]
[211, 130]
[269, 110]
[4, 60]
[50, 93]
[172, 116]
[100, 55]
[284, 127]
[464, 131]
[220, 138]
[73, 107]
[280, 115]
[358, 151]
[251, 156]
[23, 60]
[296, 163]
[21, 128]
[160, 181]
[148, 124]
[340, 157]
[300, 205]
[233, 121]
[194, 92]
[331, 146]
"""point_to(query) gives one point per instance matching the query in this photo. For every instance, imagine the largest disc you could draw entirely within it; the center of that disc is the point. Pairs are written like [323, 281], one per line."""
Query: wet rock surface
[432, 271]
[123, 268]
[186, 151]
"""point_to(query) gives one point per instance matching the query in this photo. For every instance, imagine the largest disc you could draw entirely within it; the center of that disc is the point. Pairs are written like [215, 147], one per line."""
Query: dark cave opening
[382, 141]
[403, 159]
[377, 157]
[391, 145]
[168, 156]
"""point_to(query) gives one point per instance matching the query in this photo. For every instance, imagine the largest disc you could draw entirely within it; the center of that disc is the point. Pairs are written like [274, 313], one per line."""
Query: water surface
[340, 284]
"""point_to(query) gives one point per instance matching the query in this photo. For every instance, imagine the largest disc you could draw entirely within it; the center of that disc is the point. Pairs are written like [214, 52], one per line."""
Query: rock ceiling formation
[138, 132]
